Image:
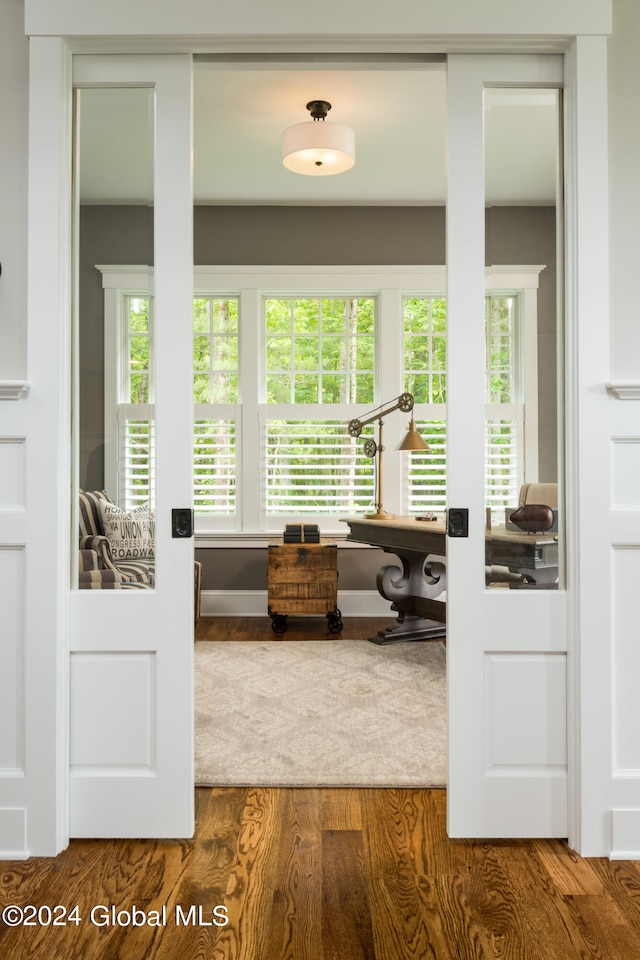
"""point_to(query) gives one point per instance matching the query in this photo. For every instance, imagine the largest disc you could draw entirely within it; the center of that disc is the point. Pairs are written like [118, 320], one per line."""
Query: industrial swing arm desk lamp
[412, 441]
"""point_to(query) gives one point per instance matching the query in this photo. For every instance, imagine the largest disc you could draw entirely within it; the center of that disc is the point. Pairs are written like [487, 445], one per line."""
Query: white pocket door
[131, 711]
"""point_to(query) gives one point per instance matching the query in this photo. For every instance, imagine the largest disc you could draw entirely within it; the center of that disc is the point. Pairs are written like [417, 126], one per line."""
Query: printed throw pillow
[131, 533]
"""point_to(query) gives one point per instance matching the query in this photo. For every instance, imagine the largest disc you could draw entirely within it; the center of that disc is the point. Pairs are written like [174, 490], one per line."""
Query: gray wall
[231, 569]
[528, 235]
[319, 235]
[298, 236]
[119, 235]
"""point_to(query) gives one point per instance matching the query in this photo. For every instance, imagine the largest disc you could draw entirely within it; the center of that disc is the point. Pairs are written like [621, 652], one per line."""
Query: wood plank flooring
[322, 874]
[298, 628]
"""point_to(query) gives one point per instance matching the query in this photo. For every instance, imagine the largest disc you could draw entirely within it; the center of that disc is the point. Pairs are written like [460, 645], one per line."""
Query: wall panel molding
[12, 674]
[14, 389]
[625, 470]
[13, 833]
[624, 389]
[624, 539]
[12, 473]
[14, 428]
[626, 660]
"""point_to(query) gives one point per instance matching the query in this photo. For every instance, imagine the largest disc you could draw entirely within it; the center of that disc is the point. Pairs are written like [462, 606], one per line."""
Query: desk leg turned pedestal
[412, 590]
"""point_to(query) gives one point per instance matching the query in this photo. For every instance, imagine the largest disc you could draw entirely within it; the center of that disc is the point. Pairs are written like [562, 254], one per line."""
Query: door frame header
[198, 25]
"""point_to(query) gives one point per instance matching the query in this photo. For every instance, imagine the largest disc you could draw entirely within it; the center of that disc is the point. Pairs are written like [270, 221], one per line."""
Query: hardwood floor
[298, 628]
[321, 874]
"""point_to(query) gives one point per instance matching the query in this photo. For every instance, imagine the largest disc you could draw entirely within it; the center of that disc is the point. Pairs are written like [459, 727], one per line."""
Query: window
[425, 376]
[319, 351]
[215, 398]
[282, 361]
[504, 413]
[135, 413]
[425, 348]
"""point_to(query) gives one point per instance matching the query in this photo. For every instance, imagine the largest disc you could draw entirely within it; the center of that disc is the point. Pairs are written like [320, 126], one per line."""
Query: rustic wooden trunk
[302, 578]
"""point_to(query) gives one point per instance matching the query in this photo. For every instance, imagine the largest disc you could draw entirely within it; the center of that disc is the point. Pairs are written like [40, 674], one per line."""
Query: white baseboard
[253, 603]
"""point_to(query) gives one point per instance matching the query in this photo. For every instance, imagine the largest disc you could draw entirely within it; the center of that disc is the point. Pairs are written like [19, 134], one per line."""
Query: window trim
[389, 284]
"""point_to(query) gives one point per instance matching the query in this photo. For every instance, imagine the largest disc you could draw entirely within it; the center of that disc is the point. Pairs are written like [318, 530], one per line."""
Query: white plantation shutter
[503, 459]
[426, 476]
[313, 467]
[426, 483]
[136, 458]
[504, 409]
[214, 463]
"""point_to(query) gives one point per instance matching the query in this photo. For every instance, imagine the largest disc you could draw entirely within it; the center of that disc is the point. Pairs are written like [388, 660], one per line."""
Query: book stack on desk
[301, 533]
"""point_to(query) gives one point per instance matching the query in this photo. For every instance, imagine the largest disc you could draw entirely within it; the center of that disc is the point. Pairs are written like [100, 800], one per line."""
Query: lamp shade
[318, 149]
[412, 439]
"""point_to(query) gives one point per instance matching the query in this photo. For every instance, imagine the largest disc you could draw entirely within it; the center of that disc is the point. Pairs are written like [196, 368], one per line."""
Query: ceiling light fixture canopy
[318, 148]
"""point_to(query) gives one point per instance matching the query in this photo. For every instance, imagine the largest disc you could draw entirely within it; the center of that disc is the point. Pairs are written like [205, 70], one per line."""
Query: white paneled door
[131, 711]
[506, 643]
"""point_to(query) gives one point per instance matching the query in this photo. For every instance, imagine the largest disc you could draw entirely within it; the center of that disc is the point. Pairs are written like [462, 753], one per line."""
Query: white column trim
[588, 475]
[48, 409]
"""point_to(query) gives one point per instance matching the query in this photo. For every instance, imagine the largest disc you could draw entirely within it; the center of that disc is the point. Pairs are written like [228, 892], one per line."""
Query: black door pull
[182, 523]
[457, 522]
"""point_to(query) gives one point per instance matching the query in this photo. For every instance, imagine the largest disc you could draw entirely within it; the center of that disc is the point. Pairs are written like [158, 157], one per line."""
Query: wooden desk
[421, 546]
[414, 587]
[534, 555]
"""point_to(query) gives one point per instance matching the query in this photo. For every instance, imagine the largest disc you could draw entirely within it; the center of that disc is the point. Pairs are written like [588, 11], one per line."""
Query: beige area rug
[320, 713]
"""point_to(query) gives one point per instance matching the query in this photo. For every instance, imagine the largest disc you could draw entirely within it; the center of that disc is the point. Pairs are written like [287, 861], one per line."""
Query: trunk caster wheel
[278, 622]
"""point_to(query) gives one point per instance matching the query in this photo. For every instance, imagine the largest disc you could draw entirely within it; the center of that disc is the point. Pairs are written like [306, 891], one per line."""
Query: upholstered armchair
[105, 563]
[530, 493]
[546, 493]
[116, 548]
[92, 577]
[122, 556]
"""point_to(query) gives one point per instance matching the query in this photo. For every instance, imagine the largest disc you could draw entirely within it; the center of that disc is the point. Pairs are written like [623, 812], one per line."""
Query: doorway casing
[45, 796]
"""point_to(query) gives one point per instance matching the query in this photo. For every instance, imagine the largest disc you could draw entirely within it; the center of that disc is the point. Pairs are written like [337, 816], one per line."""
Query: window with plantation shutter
[135, 414]
[215, 394]
[504, 406]
[425, 376]
[319, 361]
[425, 346]
[216, 377]
[285, 358]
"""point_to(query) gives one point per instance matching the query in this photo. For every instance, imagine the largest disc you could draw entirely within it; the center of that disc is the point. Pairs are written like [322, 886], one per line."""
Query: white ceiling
[399, 119]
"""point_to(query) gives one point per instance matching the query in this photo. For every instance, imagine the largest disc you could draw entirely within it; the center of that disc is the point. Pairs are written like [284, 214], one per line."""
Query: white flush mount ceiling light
[318, 148]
